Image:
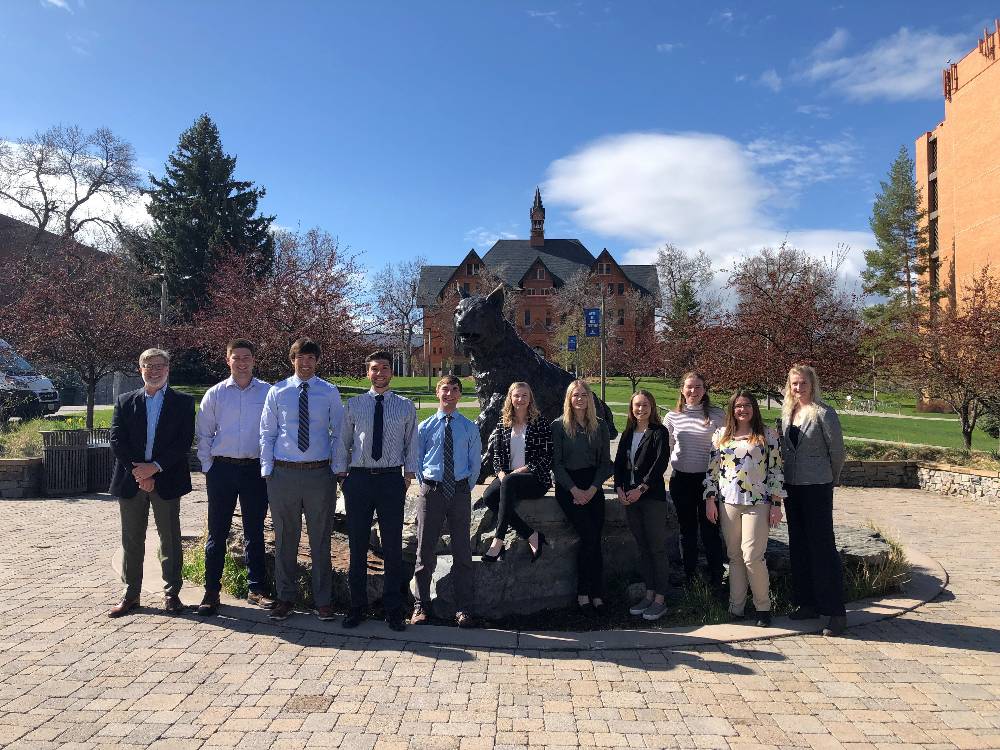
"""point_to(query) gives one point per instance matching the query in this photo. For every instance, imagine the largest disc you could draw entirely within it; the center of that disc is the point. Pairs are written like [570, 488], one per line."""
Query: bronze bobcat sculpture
[499, 357]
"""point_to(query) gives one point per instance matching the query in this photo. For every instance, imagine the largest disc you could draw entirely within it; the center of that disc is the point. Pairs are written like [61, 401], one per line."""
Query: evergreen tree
[201, 212]
[894, 267]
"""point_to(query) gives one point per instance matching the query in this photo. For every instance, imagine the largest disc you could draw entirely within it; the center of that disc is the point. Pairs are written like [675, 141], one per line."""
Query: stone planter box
[20, 477]
[976, 484]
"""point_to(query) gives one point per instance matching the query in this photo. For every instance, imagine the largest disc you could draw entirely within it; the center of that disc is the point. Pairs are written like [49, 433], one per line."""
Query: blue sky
[422, 128]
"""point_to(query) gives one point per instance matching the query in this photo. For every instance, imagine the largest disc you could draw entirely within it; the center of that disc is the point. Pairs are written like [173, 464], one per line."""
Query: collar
[373, 393]
[159, 394]
[230, 382]
[296, 381]
[440, 414]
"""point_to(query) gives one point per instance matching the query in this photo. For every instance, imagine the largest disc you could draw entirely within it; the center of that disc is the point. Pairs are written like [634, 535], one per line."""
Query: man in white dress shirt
[299, 428]
[229, 452]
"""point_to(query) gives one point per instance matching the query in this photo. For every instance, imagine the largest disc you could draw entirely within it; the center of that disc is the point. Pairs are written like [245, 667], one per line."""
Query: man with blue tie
[450, 459]
[377, 459]
[299, 427]
[229, 452]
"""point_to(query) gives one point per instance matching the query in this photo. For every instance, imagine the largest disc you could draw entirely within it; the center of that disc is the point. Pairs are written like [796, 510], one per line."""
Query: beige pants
[745, 529]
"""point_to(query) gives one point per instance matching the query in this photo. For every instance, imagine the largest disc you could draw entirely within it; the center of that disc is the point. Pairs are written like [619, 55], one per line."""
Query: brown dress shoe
[257, 599]
[325, 613]
[209, 605]
[418, 616]
[281, 610]
[172, 604]
[124, 607]
[464, 620]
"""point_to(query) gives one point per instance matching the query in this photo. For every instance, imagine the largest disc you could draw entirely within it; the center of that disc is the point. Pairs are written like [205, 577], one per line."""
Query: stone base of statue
[515, 585]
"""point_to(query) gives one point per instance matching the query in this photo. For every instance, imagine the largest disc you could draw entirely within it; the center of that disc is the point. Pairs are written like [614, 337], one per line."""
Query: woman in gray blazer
[813, 449]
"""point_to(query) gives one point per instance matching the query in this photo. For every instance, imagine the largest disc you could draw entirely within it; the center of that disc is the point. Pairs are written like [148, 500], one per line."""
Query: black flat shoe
[488, 558]
[763, 619]
[542, 541]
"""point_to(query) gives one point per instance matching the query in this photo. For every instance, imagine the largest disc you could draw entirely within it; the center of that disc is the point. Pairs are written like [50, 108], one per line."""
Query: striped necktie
[304, 417]
[448, 480]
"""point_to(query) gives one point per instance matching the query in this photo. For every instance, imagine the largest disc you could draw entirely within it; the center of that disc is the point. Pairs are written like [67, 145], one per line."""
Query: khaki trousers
[745, 529]
[135, 518]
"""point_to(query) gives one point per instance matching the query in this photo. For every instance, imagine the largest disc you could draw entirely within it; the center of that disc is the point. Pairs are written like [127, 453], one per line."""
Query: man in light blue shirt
[229, 451]
[450, 459]
[299, 427]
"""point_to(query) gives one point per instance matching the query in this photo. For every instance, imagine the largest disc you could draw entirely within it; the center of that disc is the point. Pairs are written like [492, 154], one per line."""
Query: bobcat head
[479, 320]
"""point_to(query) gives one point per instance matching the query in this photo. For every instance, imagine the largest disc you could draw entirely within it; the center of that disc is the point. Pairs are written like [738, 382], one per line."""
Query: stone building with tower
[534, 271]
[958, 170]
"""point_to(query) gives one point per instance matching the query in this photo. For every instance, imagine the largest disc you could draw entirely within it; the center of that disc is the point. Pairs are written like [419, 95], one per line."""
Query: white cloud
[698, 191]
[549, 16]
[770, 79]
[60, 4]
[739, 78]
[792, 166]
[814, 110]
[483, 238]
[668, 46]
[905, 65]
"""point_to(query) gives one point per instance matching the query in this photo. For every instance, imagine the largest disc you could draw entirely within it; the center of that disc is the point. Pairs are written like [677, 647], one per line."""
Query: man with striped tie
[299, 427]
[377, 459]
[450, 458]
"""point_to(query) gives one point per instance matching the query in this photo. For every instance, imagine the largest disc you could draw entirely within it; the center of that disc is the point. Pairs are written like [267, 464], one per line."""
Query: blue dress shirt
[468, 448]
[154, 405]
[229, 421]
[279, 423]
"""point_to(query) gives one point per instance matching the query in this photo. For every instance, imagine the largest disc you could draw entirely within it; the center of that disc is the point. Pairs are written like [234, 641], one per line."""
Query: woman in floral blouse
[744, 472]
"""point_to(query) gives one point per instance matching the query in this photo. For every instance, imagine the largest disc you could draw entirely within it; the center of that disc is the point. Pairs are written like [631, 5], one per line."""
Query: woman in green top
[581, 463]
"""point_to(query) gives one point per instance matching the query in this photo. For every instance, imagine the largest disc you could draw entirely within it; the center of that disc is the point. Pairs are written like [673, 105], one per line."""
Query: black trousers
[686, 491]
[503, 495]
[588, 521]
[365, 495]
[817, 571]
[225, 483]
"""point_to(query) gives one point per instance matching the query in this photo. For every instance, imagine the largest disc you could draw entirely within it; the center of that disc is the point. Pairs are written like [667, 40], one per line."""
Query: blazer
[537, 450]
[171, 444]
[819, 455]
[651, 460]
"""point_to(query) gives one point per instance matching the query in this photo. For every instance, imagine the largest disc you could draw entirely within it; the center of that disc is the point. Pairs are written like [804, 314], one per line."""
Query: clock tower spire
[537, 221]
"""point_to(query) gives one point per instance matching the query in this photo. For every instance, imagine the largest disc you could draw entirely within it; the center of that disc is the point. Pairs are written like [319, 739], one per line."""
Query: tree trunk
[91, 397]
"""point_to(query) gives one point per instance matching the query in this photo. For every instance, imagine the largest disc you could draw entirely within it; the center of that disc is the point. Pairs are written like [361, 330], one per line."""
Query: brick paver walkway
[71, 678]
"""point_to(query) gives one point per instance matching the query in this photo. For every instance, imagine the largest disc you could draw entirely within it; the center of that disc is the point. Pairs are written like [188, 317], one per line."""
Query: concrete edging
[927, 580]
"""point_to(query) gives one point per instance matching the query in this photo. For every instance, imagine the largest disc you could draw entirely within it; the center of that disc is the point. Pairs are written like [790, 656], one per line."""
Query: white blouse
[517, 447]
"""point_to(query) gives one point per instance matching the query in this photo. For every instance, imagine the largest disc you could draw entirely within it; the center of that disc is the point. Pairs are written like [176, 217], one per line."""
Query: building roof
[511, 260]
[17, 238]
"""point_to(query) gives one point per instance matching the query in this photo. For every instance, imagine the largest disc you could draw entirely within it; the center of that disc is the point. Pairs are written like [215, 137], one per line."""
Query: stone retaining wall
[20, 477]
[981, 486]
[879, 474]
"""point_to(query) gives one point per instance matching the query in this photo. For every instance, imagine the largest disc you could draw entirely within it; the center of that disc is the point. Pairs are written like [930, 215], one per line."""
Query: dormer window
[540, 273]
[603, 269]
[472, 269]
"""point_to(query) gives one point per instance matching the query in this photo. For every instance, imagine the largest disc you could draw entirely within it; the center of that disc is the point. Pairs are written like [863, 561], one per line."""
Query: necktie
[377, 426]
[448, 481]
[304, 417]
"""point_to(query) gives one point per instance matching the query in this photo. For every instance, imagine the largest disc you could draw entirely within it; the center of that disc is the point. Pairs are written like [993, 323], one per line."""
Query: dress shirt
[154, 404]
[399, 434]
[279, 423]
[518, 443]
[467, 447]
[229, 421]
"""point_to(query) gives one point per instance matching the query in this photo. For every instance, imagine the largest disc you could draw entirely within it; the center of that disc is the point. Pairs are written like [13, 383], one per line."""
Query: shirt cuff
[206, 466]
[157, 465]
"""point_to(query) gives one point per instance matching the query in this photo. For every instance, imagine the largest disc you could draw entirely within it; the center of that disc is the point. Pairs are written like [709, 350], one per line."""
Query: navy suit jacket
[171, 444]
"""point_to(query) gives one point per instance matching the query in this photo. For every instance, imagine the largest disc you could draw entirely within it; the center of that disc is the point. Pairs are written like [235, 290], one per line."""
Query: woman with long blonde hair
[813, 447]
[691, 425]
[581, 463]
[522, 460]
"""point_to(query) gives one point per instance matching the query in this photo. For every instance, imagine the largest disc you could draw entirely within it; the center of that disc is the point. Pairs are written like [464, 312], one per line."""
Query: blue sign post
[592, 321]
[571, 344]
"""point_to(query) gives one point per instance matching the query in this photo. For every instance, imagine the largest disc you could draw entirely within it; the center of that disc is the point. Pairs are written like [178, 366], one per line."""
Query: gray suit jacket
[819, 455]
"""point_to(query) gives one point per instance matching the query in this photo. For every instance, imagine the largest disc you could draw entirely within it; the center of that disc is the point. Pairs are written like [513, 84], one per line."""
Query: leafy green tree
[201, 213]
[901, 257]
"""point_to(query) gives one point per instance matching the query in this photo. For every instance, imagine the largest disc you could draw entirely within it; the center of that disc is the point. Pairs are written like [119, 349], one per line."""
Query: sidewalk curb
[927, 580]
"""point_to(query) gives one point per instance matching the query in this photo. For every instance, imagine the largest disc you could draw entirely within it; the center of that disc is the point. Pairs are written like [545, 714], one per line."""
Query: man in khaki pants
[151, 435]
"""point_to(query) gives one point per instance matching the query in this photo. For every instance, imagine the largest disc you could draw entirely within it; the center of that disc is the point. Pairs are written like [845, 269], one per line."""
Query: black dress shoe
[488, 558]
[835, 626]
[542, 541]
[354, 617]
[209, 604]
[803, 613]
[395, 621]
[763, 619]
[172, 604]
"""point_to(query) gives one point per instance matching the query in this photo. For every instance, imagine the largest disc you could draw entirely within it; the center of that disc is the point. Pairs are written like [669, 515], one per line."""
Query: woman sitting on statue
[522, 461]
[581, 463]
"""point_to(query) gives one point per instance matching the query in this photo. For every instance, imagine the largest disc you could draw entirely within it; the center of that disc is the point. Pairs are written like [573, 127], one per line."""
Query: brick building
[535, 270]
[958, 170]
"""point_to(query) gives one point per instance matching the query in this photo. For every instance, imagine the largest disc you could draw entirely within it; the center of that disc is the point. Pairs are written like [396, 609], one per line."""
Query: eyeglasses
[154, 368]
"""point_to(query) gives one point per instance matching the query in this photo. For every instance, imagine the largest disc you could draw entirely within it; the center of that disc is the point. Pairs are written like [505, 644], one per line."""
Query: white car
[23, 392]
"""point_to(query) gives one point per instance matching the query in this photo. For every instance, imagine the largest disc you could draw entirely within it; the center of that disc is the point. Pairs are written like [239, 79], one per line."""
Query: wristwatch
[776, 503]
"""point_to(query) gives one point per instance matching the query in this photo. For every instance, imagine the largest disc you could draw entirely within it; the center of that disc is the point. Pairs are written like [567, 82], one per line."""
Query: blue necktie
[304, 417]
[448, 481]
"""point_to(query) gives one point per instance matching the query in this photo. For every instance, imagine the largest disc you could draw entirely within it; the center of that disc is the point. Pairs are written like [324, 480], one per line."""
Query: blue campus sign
[571, 344]
[592, 321]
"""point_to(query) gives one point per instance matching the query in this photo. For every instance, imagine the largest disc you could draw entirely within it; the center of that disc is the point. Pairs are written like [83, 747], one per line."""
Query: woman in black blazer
[640, 464]
[522, 463]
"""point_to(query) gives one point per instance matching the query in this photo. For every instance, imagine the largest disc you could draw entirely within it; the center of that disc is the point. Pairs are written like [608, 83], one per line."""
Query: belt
[302, 465]
[237, 461]
[384, 470]
[434, 484]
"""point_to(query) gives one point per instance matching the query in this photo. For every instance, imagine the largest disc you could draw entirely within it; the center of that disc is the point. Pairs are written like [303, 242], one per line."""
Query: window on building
[621, 316]
[471, 269]
[548, 320]
[603, 269]
[932, 156]
[531, 292]
[611, 289]
[540, 274]
[465, 287]
[621, 289]
[527, 318]
[932, 196]
[932, 237]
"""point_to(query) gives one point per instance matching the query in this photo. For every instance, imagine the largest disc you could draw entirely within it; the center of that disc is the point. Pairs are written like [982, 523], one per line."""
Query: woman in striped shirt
[691, 425]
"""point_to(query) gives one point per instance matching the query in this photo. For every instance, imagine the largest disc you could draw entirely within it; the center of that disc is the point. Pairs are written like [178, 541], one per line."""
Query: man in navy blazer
[151, 434]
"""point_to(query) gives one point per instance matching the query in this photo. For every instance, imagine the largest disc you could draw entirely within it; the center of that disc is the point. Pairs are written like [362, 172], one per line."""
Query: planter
[20, 477]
